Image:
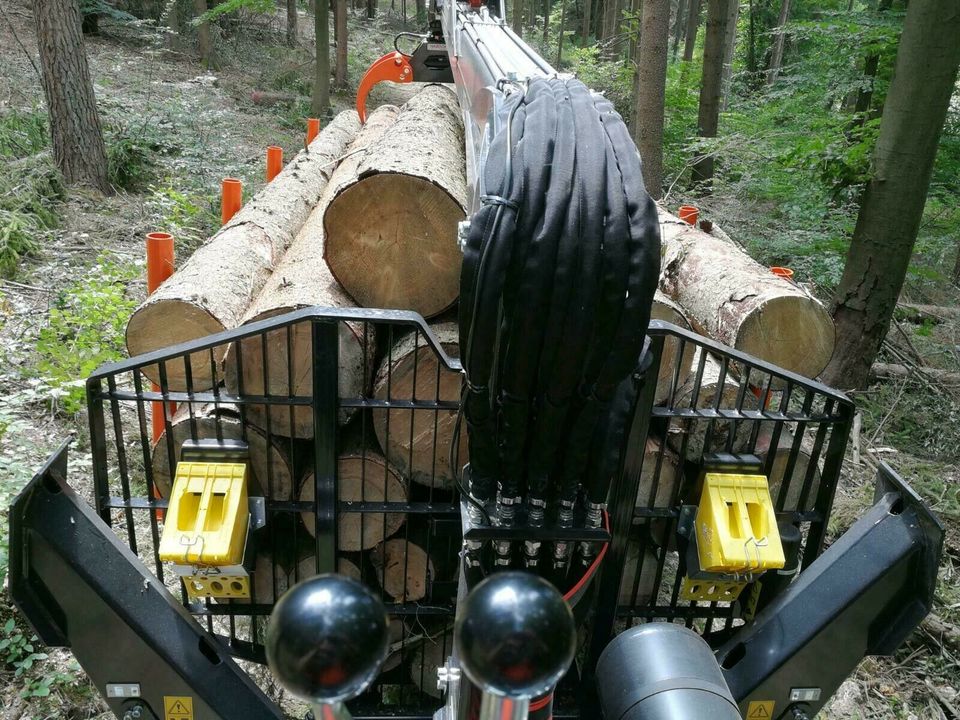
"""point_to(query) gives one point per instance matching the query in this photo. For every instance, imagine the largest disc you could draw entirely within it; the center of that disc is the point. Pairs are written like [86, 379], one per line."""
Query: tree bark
[292, 29]
[204, 45]
[518, 8]
[410, 187]
[870, 66]
[546, 21]
[340, 73]
[711, 85]
[693, 25]
[776, 57]
[362, 476]
[371, 9]
[729, 50]
[563, 23]
[417, 442]
[585, 29]
[650, 89]
[892, 206]
[302, 279]
[321, 79]
[735, 300]
[678, 27]
[212, 290]
[75, 131]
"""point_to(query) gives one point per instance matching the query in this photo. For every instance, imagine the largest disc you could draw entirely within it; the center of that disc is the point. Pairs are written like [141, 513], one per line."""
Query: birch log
[391, 234]
[213, 289]
[417, 442]
[302, 279]
[270, 468]
[367, 477]
[735, 300]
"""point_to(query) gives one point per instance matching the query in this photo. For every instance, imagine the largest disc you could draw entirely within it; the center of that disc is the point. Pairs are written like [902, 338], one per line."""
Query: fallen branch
[911, 312]
[892, 370]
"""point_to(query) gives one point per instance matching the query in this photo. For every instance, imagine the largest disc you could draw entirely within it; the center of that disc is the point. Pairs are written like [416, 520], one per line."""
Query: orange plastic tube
[231, 194]
[274, 161]
[783, 272]
[313, 129]
[689, 214]
[160, 264]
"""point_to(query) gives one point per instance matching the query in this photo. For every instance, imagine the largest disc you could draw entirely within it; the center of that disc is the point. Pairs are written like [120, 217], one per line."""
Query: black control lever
[326, 641]
[515, 640]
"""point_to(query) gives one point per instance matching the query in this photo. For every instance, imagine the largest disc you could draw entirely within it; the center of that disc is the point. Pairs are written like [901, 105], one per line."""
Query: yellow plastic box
[736, 525]
[206, 522]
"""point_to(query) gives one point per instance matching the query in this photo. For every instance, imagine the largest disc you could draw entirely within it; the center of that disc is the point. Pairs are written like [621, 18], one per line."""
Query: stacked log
[674, 367]
[362, 476]
[403, 568]
[391, 232]
[732, 298]
[270, 468]
[302, 279]
[212, 290]
[417, 442]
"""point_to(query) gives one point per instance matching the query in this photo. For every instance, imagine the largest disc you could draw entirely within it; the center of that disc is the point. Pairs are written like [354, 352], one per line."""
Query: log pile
[367, 217]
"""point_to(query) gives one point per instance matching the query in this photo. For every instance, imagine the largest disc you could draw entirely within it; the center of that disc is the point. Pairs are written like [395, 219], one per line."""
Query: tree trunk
[892, 206]
[693, 25]
[371, 9]
[870, 67]
[587, 19]
[729, 50]
[678, 27]
[636, 8]
[362, 476]
[417, 442]
[410, 187]
[302, 279]
[611, 19]
[292, 23]
[546, 21]
[75, 131]
[270, 469]
[204, 45]
[710, 89]
[340, 74]
[321, 79]
[421, 13]
[776, 57]
[212, 290]
[518, 8]
[563, 23]
[649, 94]
[956, 269]
[735, 300]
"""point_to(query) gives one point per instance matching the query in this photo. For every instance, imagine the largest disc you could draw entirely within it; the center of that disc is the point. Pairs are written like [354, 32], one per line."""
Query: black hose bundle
[558, 277]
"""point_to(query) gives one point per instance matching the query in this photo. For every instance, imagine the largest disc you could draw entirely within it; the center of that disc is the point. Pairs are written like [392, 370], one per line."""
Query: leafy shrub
[131, 155]
[23, 133]
[84, 330]
[29, 207]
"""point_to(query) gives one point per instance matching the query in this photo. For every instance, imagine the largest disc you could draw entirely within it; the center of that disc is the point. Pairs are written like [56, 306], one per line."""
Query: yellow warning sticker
[177, 708]
[760, 710]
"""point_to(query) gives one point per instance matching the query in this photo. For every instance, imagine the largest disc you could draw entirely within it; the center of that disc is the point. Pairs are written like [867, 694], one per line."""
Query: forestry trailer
[572, 520]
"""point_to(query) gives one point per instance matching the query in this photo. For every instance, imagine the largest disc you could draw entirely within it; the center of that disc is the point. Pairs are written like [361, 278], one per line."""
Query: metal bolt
[447, 676]
[133, 713]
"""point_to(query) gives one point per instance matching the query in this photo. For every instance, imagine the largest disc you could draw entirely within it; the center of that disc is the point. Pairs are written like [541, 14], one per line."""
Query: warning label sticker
[177, 708]
[760, 710]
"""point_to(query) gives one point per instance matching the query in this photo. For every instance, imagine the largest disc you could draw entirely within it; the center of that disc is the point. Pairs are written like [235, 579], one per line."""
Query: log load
[735, 300]
[430, 655]
[367, 477]
[212, 290]
[420, 452]
[391, 233]
[403, 569]
[781, 459]
[268, 575]
[267, 468]
[307, 568]
[711, 394]
[302, 279]
[668, 475]
[667, 310]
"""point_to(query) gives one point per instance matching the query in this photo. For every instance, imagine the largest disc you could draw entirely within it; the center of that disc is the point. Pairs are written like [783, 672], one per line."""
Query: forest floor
[181, 129]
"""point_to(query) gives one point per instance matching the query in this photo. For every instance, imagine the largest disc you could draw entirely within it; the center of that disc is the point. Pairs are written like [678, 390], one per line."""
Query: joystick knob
[515, 636]
[326, 640]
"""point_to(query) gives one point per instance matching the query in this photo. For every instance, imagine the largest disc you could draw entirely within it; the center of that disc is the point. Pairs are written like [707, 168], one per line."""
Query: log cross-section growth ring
[391, 234]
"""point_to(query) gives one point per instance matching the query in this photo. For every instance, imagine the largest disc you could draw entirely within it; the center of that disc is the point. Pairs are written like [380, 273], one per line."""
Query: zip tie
[497, 200]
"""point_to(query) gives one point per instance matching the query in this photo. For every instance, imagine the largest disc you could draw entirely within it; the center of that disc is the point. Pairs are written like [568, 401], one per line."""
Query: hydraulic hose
[560, 266]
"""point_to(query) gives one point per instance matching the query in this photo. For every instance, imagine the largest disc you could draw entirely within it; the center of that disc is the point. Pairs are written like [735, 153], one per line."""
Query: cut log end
[403, 568]
[391, 243]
